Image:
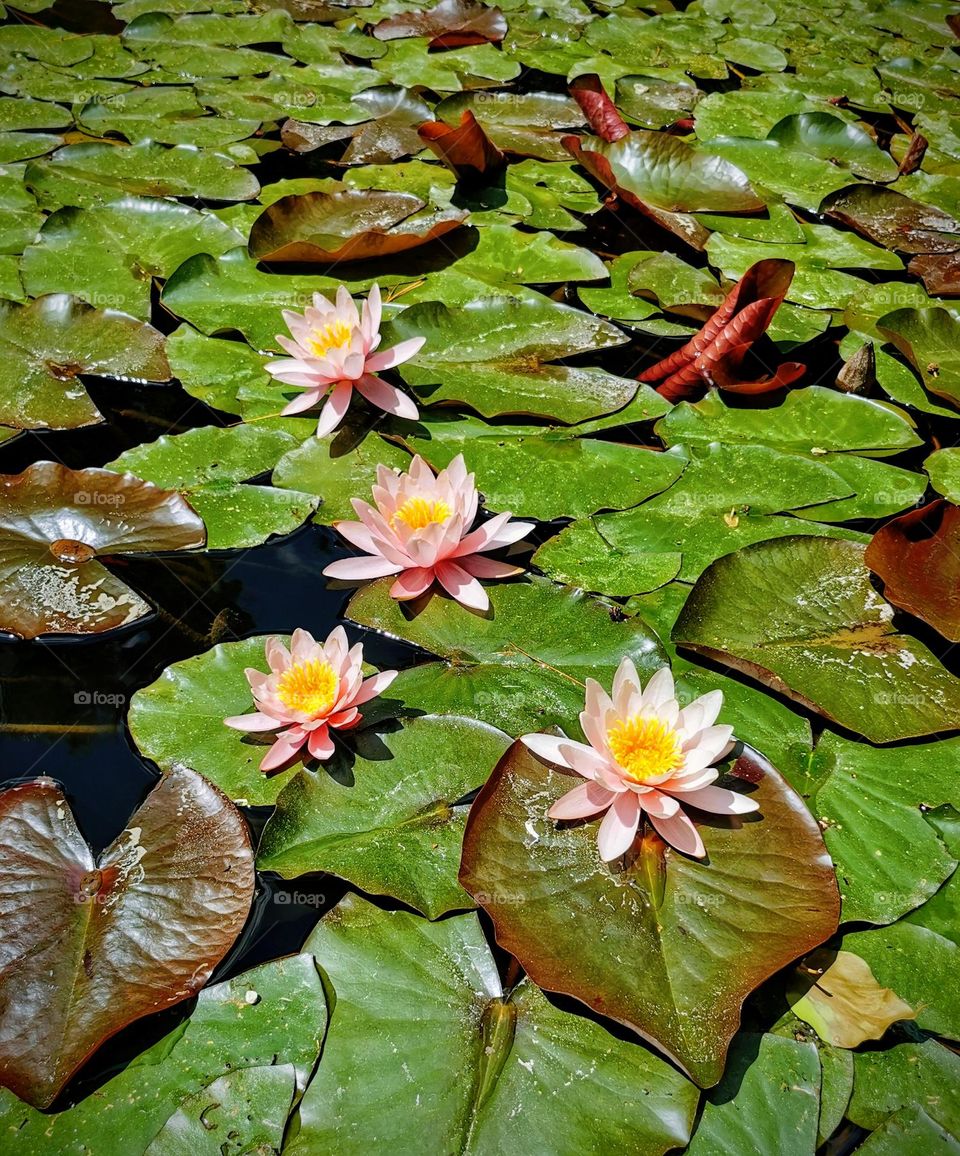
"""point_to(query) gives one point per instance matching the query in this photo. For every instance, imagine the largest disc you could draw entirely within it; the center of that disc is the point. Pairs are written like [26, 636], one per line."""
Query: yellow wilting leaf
[836, 993]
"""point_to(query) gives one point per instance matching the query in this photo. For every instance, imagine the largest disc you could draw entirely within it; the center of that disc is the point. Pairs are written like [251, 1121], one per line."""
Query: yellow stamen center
[644, 747]
[418, 513]
[310, 687]
[326, 337]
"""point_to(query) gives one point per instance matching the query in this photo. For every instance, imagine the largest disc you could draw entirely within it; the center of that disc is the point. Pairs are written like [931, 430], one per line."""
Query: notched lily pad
[801, 616]
[707, 932]
[103, 942]
[350, 225]
[49, 343]
[54, 525]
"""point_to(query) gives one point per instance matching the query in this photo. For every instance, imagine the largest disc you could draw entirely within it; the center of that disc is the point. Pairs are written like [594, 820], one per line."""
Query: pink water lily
[312, 688]
[646, 756]
[332, 353]
[421, 531]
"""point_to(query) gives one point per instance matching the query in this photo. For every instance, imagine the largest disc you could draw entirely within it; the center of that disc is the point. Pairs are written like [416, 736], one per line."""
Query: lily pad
[55, 524]
[48, 344]
[208, 466]
[455, 1032]
[929, 339]
[226, 375]
[336, 471]
[800, 615]
[229, 1035]
[704, 930]
[943, 468]
[811, 421]
[546, 474]
[388, 132]
[110, 255]
[353, 225]
[387, 820]
[83, 969]
[494, 355]
[822, 135]
[726, 498]
[90, 173]
[894, 220]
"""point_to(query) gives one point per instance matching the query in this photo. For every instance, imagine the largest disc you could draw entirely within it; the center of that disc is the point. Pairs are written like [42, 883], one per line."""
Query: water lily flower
[312, 688]
[421, 531]
[646, 756]
[332, 353]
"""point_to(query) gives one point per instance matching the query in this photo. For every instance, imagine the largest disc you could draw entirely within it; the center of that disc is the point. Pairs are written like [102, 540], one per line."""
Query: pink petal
[350, 569]
[548, 747]
[282, 751]
[357, 534]
[720, 801]
[372, 312]
[587, 799]
[388, 358]
[619, 826]
[252, 722]
[371, 687]
[335, 409]
[659, 690]
[412, 583]
[305, 401]
[702, 712]
[481, 567]
[386, 397]
[320, 744]
[679, 832]
[462, 586]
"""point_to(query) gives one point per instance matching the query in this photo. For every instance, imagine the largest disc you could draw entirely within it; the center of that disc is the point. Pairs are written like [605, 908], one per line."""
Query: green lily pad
[335, 471]
[387, 820]
[666, 173]
[919, 1072]
[813, 421]
[768, 1100]
[93, 172]
[110, 255]
[571, 919]
[21, 217]
[227, 375]
[943, 468]
[48, 344]
[230, 293]
[581, 556]
[535, 625]
[482, 1071]
[800, 615]
[726, 498]
[879, 490]
[797, 177]
[823, 135]
[929, 338]
[208, 466]
[168, 115]
[495, 355]
[870, 801]
[230, 1032]
[180, 716]
[546, 474]
[654, 103]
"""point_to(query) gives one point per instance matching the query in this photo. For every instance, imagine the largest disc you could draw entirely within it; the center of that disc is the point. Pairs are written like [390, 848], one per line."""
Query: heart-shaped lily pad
[257, 1035]
[55, 522]
[104, 942]
[352, 225]
[801, 616]
[386, 820]
[421, 1022]
[47, 345]
[929, 338]
[707, 932]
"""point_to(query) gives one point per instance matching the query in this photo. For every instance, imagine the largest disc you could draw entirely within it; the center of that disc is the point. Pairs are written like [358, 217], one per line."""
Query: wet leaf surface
[107, 941]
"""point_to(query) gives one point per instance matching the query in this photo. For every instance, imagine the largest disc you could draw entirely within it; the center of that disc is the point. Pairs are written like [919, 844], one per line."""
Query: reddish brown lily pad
[91, 945]
[670, 946]
[349, 225]
[54, 525]
[47, 345]
[714, 355]
[466, 149]
[894, 220]
[450, 24]
[918, 557]
[598, 108]
[939, 272]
